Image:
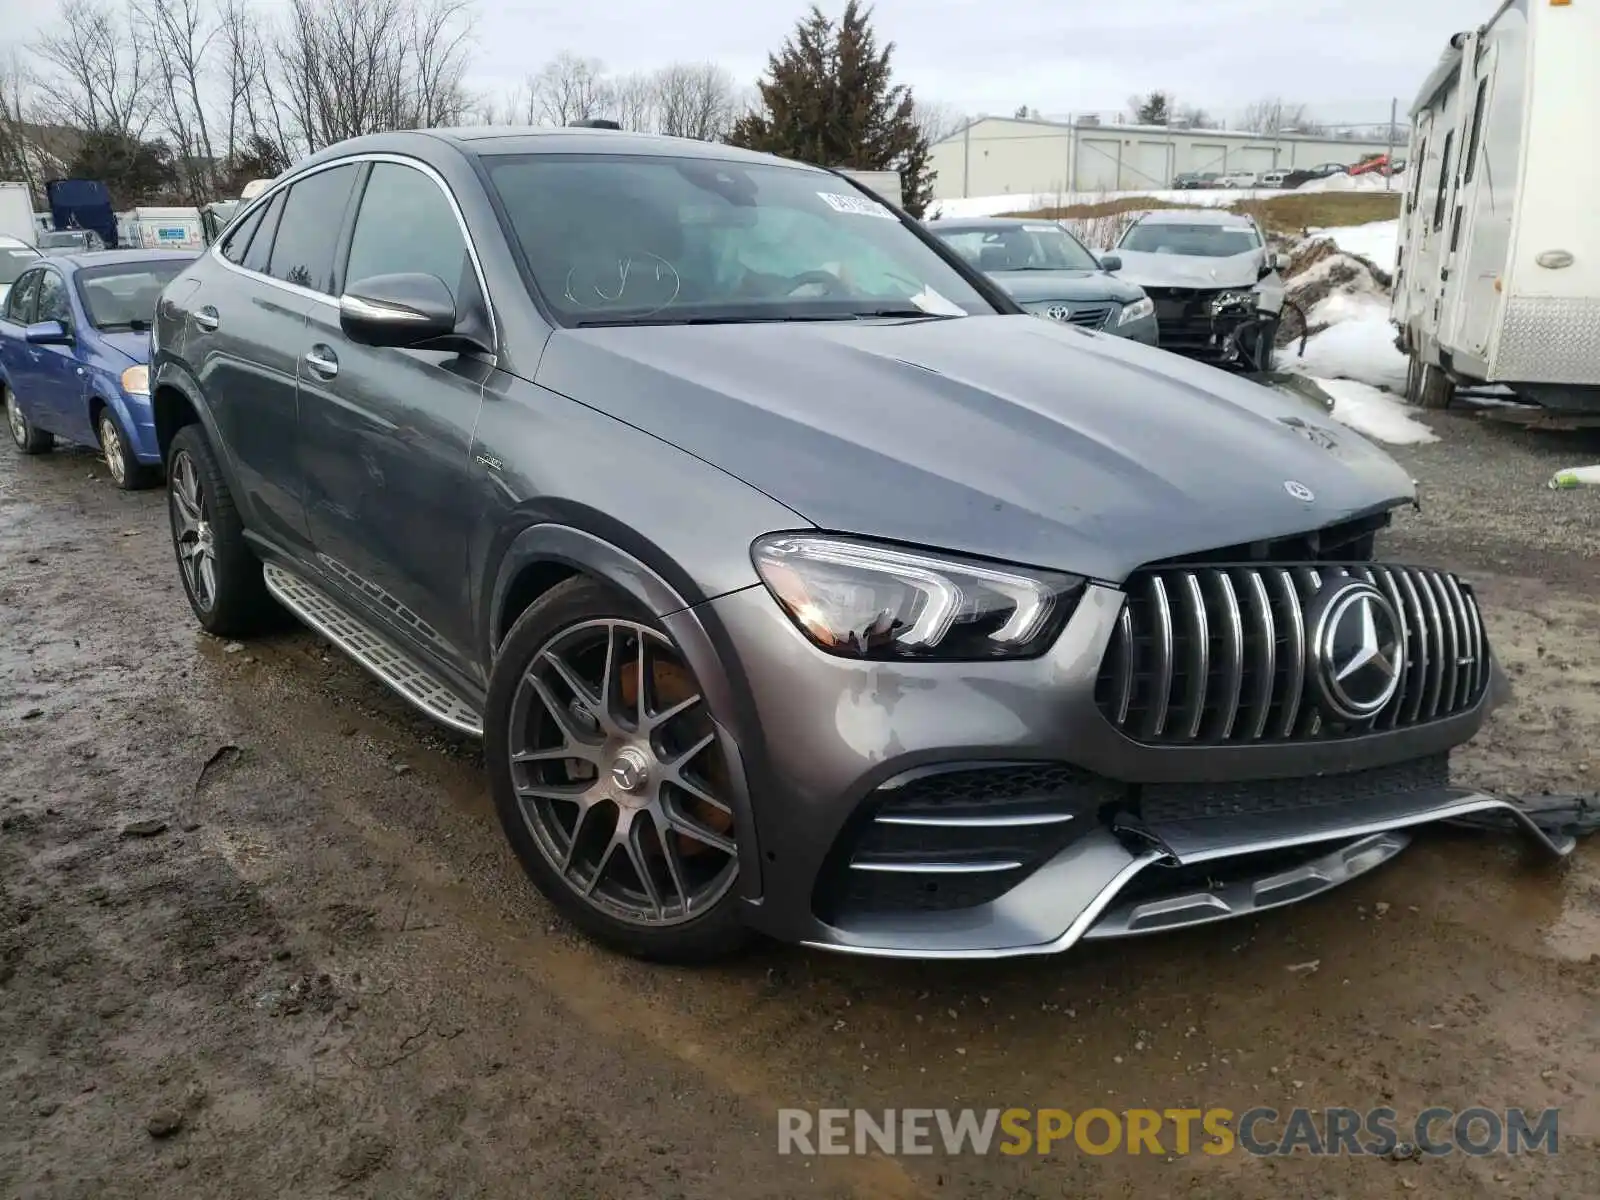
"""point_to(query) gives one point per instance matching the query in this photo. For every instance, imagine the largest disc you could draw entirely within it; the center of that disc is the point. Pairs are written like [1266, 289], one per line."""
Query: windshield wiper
[136, 325]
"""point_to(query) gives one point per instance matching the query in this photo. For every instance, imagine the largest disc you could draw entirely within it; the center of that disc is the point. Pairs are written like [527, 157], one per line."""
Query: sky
[1345, 58]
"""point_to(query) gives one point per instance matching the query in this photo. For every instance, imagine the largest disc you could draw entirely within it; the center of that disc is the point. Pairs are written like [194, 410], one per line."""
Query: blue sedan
[74, 355]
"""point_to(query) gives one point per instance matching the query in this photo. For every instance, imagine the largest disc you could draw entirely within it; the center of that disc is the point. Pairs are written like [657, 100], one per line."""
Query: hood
[135, 345]
[1004, 436]
[1184, 271]
[1032, 287]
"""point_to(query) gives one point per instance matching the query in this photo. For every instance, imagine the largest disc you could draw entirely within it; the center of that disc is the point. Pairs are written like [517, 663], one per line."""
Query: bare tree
[94, 75]
[351, 67]
[1192, 116]
[17, 152]
[937, 121]
[179, 38]
[568, 89]
[696, 100]
[1275, 115]
[441, 38]
[634, 102]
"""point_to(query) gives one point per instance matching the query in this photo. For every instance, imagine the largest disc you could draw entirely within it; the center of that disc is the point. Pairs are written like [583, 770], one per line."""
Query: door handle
[207, 318]
[323, 361]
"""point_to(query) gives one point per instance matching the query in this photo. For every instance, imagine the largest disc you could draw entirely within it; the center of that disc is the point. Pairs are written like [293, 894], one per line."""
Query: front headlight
[862, 600]
[1240, 299]
[1137, 311]
[136, 381]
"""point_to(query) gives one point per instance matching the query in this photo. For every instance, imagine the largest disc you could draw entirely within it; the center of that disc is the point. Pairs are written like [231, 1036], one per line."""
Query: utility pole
[1394, 116]
[966, 158]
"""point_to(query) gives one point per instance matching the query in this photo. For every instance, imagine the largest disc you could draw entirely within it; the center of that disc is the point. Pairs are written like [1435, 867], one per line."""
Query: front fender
[692, 627]
[174, 392]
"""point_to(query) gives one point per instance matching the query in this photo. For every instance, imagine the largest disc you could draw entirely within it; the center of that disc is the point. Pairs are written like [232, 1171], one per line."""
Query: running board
[414, 683]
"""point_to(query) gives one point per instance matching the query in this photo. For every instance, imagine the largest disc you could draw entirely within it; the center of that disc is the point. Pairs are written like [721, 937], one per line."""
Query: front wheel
[609, 777]
[28, 439]
[221, 577]
[127, 472]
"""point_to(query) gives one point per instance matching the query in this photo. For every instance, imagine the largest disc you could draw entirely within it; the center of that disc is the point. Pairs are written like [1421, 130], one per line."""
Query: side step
[377, 654]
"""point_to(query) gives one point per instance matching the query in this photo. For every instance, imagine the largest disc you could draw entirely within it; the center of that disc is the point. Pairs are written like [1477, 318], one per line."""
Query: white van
[1498, 280]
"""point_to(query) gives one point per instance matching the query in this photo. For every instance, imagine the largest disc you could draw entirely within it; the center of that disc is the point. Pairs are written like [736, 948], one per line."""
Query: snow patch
[1375, 414]
[1378, 242]
[1372, 181]
[1358, 344]
[1015, 202]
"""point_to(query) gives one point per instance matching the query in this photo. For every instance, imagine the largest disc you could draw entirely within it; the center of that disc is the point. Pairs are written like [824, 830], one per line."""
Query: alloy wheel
[197, 553]
[15, 419]
[111, 447]
[619, 776]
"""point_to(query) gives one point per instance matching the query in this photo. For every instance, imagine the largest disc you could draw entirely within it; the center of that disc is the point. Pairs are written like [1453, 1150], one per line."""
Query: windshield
[1198, 241]
[1020, 248]
[56, 240]
[636, 239]
[124, 296]
[14, 262]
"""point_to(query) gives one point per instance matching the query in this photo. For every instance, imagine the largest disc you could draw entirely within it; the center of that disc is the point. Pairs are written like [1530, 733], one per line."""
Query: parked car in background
[1378, 163]
[1051, 274]
[1323, 170]
[1240, 179]
[16, 256]
[69, 241]
[1207, 272]
[1274, 179]
[1188, 181]
[74, 355]
[795, 578]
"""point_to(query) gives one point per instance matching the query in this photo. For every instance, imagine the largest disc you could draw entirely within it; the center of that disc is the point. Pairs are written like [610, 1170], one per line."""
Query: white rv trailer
[1498, 279]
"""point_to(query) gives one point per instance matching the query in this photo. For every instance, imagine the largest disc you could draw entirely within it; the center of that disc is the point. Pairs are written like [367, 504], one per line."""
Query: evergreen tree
[830, 98]
[1154, 109]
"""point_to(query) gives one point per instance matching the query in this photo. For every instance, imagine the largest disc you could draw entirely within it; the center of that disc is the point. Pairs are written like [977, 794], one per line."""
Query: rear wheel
[127, 472]
[221, 577]
[1427, 386]
[609, 777]
[28, 439]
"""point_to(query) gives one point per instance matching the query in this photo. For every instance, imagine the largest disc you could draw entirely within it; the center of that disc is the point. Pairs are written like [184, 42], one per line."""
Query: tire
[570, 812]
[127, 472]
[230, 599]
[27, 439]
[1427, 386]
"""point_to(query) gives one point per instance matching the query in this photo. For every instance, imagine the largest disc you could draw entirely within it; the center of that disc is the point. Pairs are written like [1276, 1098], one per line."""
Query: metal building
[995, 155]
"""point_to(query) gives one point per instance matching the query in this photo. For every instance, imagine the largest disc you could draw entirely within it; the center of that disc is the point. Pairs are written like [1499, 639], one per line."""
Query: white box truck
[16, 213]
[1498, 279]
[161, 229]
[885, 183]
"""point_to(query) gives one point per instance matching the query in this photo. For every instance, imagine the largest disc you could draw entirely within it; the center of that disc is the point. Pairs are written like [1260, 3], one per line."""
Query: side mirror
[1111, 262]
[47, 333]
[407, 311]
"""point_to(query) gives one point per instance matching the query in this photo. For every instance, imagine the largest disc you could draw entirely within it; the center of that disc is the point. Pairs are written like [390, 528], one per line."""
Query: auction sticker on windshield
[858, 206]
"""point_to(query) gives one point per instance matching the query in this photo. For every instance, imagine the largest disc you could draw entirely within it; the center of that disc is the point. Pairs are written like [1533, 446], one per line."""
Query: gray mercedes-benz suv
[795, 579]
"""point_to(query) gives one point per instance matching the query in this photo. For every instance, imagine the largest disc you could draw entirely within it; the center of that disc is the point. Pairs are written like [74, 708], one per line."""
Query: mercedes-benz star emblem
[629, 769]
[1359, 654]
[1299, 491]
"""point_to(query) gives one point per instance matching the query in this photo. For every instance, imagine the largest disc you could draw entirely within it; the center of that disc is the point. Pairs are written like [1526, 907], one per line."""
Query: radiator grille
[1222, 655]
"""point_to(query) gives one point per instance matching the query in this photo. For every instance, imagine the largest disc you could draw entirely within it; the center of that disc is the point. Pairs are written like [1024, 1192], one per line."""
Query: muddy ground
[320, 973]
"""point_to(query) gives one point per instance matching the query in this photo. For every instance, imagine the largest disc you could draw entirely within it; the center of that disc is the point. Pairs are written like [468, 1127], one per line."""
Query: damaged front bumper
[1137, 879]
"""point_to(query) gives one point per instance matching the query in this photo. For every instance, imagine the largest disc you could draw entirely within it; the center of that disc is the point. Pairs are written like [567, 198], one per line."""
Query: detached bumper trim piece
[1081, 886]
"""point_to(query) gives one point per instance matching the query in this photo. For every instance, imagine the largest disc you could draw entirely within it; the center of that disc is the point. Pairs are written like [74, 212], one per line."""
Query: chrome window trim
[371, 156]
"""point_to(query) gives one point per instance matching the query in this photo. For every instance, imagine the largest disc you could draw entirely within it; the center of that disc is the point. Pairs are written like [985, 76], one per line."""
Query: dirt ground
[318, 971]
